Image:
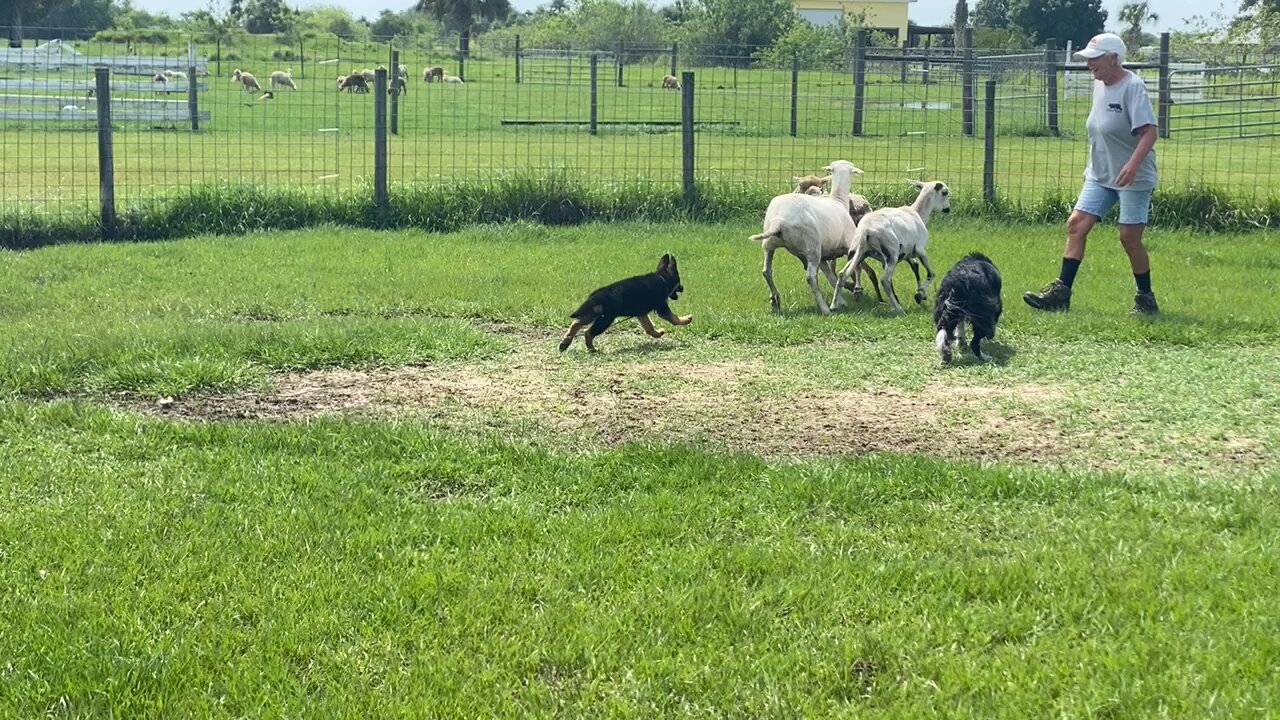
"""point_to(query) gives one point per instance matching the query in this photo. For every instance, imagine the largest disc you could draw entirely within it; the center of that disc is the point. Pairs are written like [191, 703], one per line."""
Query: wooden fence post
[106, 157]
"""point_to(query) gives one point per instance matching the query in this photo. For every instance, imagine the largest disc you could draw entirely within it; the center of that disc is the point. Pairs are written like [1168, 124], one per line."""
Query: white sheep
[249, 82]
[894, 234]
[815, 229]
[452, 79]
[669, 82]
[435, 72]
[175, 74]
[283, 78]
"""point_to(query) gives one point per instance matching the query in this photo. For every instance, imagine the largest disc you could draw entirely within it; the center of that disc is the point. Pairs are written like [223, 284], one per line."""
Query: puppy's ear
[665, 262]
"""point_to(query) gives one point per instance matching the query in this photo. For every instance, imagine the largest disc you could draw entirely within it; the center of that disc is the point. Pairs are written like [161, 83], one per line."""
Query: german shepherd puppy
[969, 291]
[633, 297]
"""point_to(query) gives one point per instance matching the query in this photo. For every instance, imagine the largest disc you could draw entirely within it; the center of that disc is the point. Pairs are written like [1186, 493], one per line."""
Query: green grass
[468, 551]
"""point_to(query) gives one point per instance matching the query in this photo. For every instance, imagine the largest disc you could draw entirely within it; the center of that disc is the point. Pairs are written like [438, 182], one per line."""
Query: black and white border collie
[969, 291]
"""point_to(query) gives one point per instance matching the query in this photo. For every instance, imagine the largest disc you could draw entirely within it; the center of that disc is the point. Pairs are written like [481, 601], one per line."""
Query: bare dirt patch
[735, 406]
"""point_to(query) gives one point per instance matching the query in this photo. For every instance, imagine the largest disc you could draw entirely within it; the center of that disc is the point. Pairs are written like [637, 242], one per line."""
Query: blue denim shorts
[1135, 205]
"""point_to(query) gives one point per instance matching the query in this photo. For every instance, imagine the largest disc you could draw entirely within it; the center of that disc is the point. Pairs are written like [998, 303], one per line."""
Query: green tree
[461, 15]
[1134, 15]
[20, 12]
[990, 14]
[603, 24]
[1062, 20]
[268, 16]
[730, 32]
[91, 15]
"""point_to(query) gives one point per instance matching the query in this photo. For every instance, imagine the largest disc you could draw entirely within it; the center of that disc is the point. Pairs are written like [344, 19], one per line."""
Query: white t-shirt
[1118, 111]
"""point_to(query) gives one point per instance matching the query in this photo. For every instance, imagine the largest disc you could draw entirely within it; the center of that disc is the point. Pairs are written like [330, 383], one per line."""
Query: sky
[925, 12]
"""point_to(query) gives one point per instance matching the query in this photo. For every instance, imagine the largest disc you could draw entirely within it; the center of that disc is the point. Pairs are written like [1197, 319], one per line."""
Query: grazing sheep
[402, 71]
[283, 78]
[399, 86]
[817, 230]
[669, 82]
[369, 75]
[159, 77]
[354, 82]
[894, 234]
[249, 82]
[175, 74]
[433, 73]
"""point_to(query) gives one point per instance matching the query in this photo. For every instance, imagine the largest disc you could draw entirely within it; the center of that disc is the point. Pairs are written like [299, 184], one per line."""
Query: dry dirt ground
[734, 406]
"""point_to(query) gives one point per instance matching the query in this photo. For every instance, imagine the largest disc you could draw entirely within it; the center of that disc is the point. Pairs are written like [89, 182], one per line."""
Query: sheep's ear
[917, 183]
[937, 187]
[858, 171]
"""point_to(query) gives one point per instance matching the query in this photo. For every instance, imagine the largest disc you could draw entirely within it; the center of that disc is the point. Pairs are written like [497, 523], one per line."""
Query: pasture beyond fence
[91, 127]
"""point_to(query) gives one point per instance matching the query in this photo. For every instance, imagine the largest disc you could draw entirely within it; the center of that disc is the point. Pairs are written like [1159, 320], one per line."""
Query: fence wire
[191, 111]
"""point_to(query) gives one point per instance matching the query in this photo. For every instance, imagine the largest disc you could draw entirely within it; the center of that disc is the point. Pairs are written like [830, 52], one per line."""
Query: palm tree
[1134, 15]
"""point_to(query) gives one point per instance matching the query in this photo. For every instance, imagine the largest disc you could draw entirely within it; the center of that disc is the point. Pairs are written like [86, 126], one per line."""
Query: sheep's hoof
[775, 302]
[564, 344]
[920, 298]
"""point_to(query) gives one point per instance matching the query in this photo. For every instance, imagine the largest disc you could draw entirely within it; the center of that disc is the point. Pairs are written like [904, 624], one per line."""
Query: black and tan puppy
[633, 297]
[969, 291]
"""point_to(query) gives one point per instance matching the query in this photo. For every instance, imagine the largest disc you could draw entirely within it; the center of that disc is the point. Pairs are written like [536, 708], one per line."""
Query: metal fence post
[989, 146]
[395, 95]
[1165, 104]
[1051, 87]
[517, 59]
[859, 78]
[302, 61]
[675, 51]
[380, 199]
[106, 158]
[968, 78]
[795, 87]
[595, 64]
[686, 122]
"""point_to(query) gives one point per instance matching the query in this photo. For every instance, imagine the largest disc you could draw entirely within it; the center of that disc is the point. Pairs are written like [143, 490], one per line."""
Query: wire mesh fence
[189, 111]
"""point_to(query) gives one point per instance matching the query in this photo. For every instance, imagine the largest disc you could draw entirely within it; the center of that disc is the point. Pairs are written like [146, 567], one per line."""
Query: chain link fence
[169, 112]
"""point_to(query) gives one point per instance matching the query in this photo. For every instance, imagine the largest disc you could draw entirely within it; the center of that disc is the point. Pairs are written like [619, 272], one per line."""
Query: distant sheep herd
[357, 81]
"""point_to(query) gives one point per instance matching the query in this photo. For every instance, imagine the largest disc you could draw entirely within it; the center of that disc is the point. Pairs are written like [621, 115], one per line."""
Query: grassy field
[321, 140]
[347, 473]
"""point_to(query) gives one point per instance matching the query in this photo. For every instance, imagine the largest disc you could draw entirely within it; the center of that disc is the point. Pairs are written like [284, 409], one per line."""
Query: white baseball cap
[1100, 45]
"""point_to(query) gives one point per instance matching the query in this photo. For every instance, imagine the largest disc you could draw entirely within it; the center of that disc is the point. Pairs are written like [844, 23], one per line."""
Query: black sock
[1069, 268]
[1144, 281]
